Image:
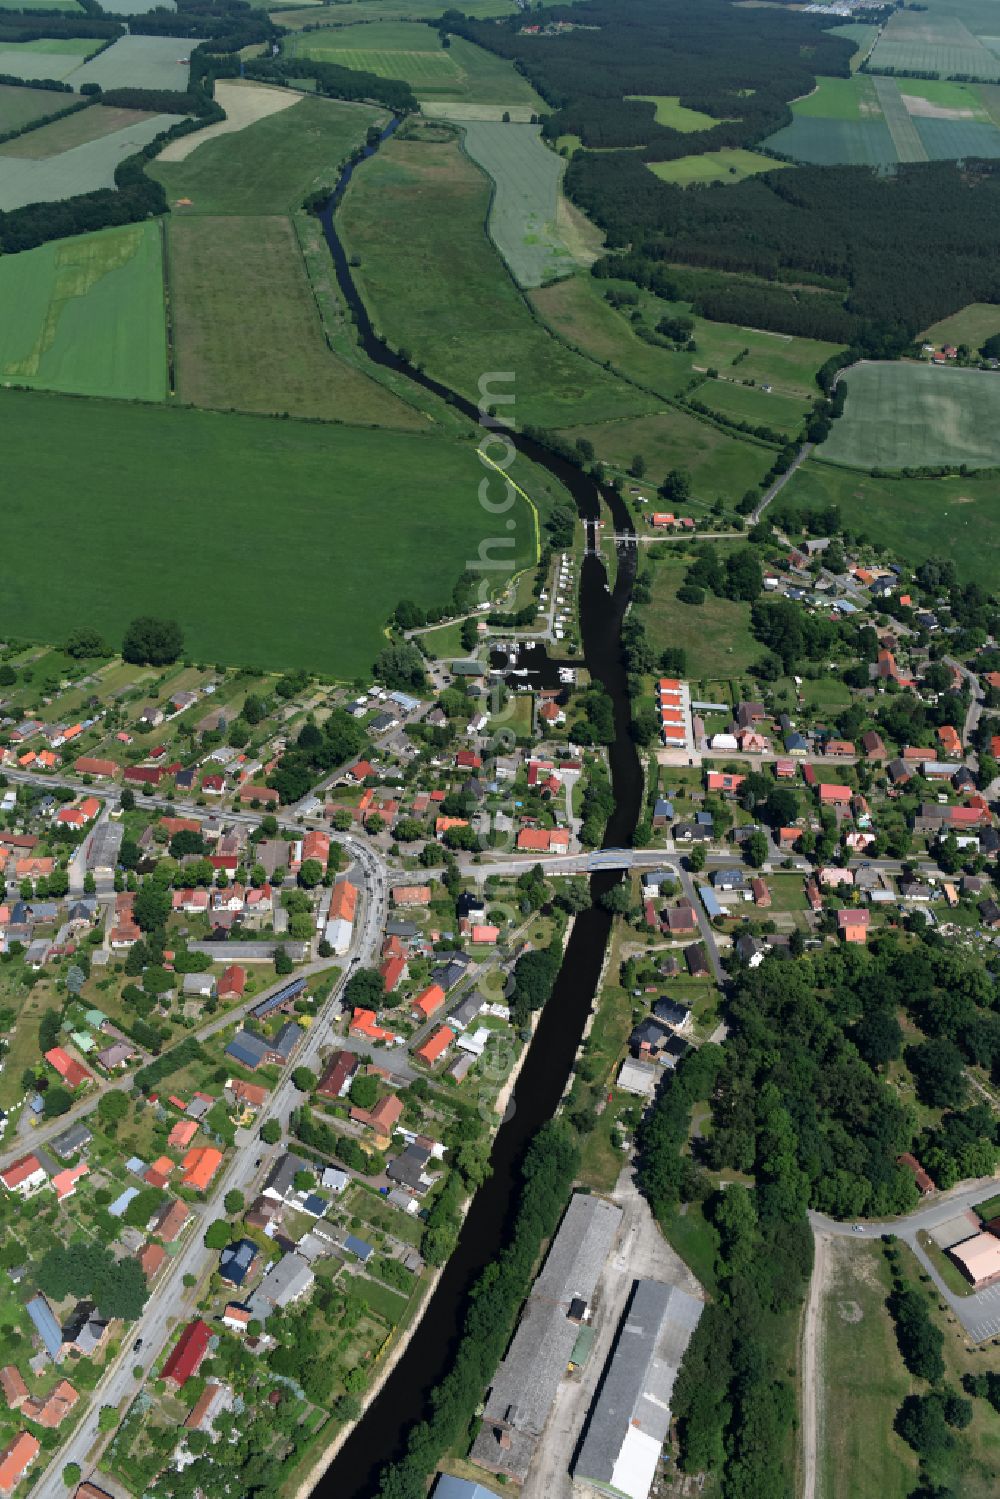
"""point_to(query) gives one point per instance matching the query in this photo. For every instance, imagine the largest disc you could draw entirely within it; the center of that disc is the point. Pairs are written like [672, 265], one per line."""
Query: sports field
[907, 415]
[670, 111]
[435, 285]
[85, 315]
[140, 62]
[269, 167]
[915, 518]
[932, 42]
[527, 179]
[187, 514]
[276, 360]
[730, 165]
[20, 106]
[80, 170]
[77, 129]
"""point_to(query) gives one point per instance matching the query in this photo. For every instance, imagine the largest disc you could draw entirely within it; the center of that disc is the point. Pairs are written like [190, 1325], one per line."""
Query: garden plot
[81, 170]
[153, 62]
[527, 178]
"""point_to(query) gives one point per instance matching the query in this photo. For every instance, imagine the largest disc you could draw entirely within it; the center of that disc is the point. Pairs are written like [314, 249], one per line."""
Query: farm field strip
[20, 106]
[384, 10]
[905, 137]
[219, 266]
[945, 140]
[18, 62]
[905, 415]
[80, 170]
[85, 315]
[153, 62]
[260, 498]
[78, 129]
[527, 179]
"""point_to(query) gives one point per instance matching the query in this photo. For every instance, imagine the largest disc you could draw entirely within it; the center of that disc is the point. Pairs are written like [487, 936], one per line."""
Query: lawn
[77, 129]
[525, 204]
[83, 169]
[85, 315]
[862, 1381]
[668, 110]
[221, 265]
[720, 465]
[715, 634]
[271, 166]
[435, 285]
[915, 518]
[748, 403]
[176, 512]
[20, 106]
[729, 165]
[905, 415]
[140, 62]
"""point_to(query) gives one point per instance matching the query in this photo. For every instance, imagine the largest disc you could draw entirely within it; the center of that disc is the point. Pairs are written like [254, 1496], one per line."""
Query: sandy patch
[244, 103]
[927, 111]
[441, 109]
[964, 499]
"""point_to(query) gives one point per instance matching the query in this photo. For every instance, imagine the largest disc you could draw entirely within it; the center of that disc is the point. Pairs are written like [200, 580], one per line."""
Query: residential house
[15, 1460]
[188, 1354]
[853, 925]
[338, 1075]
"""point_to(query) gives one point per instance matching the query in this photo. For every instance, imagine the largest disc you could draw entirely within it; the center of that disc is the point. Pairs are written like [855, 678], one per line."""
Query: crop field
[221, 266]
[91, 124]
[483, 78]
[902, 128]
[285, 504]
[861, 35]
[384, 10]
[840, 99]
[245, 103]
[434, 284]
[944, 140]
[748, 403]
[269, 167]
[20, 106]
[924, 42]
[670, 111]
[389, 49]
[916, 518]
[61, 5]
[81, 170]
[729, 165]
[135, 7]
[140, 62]
[720, 465]
[85, 315]
[906, 415]
[18, 61]
[973, 325]
[523, 212]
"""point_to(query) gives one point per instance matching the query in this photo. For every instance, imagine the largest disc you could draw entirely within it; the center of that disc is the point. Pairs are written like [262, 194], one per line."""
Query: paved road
[979, 1313]
[170, 1301]
[975, 708]
[780, 482]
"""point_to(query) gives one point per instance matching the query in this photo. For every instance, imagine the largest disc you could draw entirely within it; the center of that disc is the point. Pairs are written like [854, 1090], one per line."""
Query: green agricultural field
[748, 403]
[20, 106]
[434, 284]
[77, 129]
[383, 10]
[82, 46]
[18, 61]
[941, 94]
[915, 518]
[140, 62]
[86, 315]
[575, 309]
[925, 42]
[900, 124]
[862, 1380]
[827, 143]
[840, 99]
[715, 635]
[907, 415]
[861, 35]
[277, 360]
[973, 326]
[81, 170]
[948, 140]
[179, 513]
[720, 465]
[64, 5]
[271, 166]
[730, 165]
[525, 207]
[670, 111]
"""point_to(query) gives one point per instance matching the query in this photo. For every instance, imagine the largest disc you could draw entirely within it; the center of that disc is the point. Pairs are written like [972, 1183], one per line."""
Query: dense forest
[894, 253]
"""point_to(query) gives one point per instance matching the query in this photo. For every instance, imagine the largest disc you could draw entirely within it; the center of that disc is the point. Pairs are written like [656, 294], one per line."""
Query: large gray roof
[526, 1382]
[630, 1418]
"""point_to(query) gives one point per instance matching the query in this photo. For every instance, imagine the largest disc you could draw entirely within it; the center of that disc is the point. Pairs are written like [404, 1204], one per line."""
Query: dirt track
[812, 1358]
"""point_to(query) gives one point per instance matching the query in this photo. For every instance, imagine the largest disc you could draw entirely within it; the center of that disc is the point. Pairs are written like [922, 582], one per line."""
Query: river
[381, 1435]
